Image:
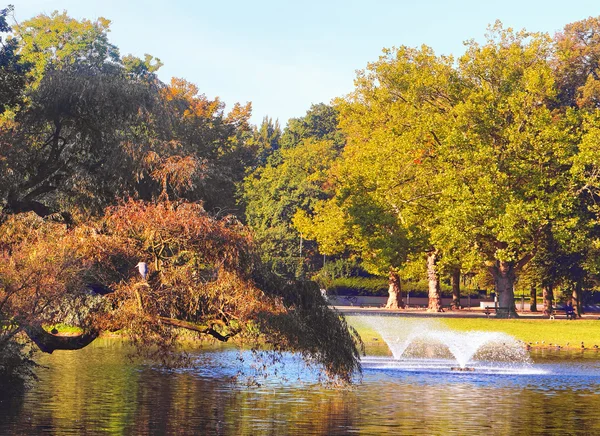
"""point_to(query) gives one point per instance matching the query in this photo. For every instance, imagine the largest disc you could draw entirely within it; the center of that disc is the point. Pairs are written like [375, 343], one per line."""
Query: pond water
[98, 390]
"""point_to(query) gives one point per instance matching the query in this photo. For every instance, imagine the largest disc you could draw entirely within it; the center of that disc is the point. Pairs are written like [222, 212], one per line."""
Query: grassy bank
[538, 333]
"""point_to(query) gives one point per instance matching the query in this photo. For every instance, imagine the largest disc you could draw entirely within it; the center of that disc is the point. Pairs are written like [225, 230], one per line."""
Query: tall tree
[386, 181]
[508, 156]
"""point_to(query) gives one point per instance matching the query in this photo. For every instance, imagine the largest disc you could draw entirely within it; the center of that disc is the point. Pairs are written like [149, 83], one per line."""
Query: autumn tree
[218, 143]
[204, 278]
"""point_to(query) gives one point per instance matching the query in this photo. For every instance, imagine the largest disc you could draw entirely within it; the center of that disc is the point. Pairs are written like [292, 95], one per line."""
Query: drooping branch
[193, 327]
[48, 343]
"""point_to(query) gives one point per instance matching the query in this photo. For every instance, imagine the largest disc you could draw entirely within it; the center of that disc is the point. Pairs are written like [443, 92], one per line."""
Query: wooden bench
[569, 313]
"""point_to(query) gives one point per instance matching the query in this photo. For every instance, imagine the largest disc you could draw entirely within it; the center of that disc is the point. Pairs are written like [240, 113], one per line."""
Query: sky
[284, 55]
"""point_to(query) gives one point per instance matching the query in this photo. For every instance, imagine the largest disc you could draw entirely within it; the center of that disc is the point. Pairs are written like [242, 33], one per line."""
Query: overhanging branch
[193, 327]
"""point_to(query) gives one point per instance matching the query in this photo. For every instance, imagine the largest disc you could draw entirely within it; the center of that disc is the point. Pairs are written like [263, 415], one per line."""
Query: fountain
[427, 345]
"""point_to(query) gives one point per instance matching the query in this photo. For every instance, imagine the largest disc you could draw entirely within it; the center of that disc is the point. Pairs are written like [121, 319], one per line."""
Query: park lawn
[555, 332]
[540, 333]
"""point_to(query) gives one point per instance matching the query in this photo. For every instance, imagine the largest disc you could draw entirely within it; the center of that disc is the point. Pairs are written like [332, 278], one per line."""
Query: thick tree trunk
[504, 279]
[576, 299]
[435, 294]
[533, 299]
[455, 278]
[395, 292]
[548, 296]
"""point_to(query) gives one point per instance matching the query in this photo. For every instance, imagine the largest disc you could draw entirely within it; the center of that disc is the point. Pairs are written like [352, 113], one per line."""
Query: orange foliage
[184, 96]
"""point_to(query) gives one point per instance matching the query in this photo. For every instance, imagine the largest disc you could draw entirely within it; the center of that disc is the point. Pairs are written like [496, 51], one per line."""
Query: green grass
[65, 329]
[556, 332]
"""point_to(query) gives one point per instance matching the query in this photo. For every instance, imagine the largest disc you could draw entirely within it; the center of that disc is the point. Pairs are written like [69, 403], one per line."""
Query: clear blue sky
[285, 55]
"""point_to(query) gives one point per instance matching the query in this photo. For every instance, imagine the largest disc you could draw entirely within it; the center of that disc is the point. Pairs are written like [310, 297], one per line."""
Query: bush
[378, 287]
[363, 286]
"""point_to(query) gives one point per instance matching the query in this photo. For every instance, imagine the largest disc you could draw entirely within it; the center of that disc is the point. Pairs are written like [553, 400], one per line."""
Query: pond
[98, 390]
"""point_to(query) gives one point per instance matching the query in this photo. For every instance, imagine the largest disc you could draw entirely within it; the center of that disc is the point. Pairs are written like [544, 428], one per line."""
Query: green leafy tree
[57, 41]
[13, 71]
[320, 122]
[294, 178]
[508, 155]
[386, 180]
[266, 140]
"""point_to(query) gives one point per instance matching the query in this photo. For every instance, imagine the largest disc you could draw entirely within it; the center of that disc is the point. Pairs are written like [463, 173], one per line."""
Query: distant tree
[320, 122]
[266, 140]
[294, 178]
[13, 71]
[576, 62]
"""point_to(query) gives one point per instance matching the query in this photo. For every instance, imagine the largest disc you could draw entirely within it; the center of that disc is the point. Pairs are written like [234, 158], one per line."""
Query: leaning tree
[204, 278]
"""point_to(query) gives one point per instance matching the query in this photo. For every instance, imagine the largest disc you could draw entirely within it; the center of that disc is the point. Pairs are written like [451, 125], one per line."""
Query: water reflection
[98, 390]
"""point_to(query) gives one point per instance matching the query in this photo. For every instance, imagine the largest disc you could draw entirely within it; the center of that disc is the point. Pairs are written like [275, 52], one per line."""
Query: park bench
[569, 313]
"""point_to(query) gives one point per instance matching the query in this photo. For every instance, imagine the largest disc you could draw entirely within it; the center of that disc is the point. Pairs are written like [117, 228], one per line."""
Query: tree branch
[190, 326]
[48, 343]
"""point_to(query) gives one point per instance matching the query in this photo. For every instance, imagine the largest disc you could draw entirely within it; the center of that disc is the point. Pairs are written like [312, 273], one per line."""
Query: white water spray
[426, 344]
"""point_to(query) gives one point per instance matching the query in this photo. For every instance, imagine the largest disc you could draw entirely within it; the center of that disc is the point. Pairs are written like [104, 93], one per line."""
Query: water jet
[426, 345]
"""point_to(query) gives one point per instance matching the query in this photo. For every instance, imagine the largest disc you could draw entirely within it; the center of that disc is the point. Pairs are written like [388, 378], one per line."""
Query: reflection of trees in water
[98, 389]
[181, 403]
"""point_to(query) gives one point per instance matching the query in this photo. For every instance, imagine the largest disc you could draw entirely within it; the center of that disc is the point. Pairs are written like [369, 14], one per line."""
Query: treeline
[483, 166]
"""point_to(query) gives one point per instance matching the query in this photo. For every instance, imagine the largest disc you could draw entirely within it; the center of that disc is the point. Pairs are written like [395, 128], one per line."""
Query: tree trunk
[395, 292]
[548, 296]
[576, 299]
[455, 278]
[533, 299]
[435, 294]
[504, 279]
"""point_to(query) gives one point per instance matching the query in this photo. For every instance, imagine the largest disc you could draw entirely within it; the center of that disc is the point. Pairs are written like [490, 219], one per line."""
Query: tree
[70, 144]
[218, 142]
[266, 139]
[508, 156]
[386, 180]
[13, 71]
[576, 63]
[294, 178]
[320, 122]
[204, 278]
[274, 193]
[58, 41]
